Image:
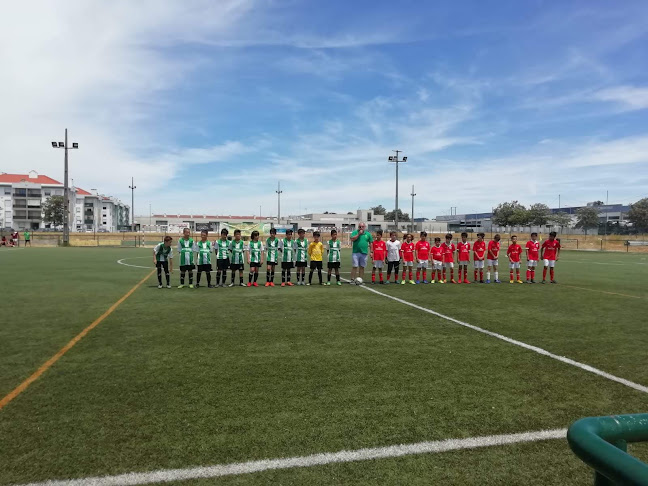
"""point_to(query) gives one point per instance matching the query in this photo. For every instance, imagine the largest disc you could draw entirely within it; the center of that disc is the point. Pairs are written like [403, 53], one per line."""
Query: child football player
[237, 249]
[436, 253]
[393, 256]
[301, 255]
[204, 249]
[287, 250]
[532, 254]
[422, 248]
[449, 249]
[163, 259]
[514, 252]
[463, 257]
[479, 253]
[334, 249]
[407, 252]
[492, 258]
[315, 252]
[378, 255]
[272, 250]
[255, 258]
[186, 249]
[222, 247]
[550, 254]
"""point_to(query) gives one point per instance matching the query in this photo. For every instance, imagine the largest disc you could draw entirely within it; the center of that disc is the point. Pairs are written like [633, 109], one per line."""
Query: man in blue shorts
[361, 244]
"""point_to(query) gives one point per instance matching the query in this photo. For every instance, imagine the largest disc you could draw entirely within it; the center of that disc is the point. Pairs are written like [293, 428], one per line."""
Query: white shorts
[378, 263]
[492, 263]
[422, 264]
[549, 263]
[464, 263]
[408, 264]
[448, 264]
[478, 263]
[532, 263]
[514, 265]
[437, 265]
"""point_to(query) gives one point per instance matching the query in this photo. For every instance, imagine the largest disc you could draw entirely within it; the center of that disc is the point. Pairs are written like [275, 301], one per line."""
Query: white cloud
[629, 97]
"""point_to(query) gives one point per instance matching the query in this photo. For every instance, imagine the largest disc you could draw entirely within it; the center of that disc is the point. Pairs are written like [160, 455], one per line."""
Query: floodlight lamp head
[404, 159]
[391, 158]
[61, 145]
[75, 145]
[54, 144]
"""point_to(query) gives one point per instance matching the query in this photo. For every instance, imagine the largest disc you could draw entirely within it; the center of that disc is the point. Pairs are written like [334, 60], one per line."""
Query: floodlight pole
[397, 161]
[66, 188]
[132, 187]
[412, 217]
[279, 191]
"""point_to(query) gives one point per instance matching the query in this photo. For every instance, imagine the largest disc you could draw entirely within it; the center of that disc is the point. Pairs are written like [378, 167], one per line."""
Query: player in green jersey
[334, 250]
[186, 249]
[163, 259]
[237, 249]
[222, 248]
[204, 249]
[287, 250]
[301, 256]
[254, 258]
[272, 249]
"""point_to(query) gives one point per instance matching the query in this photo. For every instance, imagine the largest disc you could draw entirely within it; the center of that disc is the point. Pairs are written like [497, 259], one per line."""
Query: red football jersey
[407, 249]
[448, 252]
[493, 250]
[437, 253]
[422, 250]
[514, 252]
[479, 249]
[464, 251]
[379, 249]
[533, 250]
[550, 248]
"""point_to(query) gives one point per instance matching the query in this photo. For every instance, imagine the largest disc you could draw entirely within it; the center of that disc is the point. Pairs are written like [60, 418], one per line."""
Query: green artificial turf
[179, 378]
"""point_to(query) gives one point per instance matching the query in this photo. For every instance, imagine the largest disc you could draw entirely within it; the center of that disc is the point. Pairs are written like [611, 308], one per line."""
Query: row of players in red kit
[441, 258]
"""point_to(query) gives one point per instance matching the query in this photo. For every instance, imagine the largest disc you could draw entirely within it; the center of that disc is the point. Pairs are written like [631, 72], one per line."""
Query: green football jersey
[162, 253]
[255, 248]
[287, 250]
[272, 247]
[334, 248]
[221, 247]
[237, 248]
[301, 250]
[204, 252]
[186, 249]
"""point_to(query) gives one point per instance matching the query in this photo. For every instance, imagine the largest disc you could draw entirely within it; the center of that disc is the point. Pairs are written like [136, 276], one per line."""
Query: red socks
[551, 272]
[381, 277]
[544, 273]
[418, 275]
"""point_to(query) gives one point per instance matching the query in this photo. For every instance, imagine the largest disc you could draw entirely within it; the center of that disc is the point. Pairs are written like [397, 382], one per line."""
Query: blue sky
[208, 104]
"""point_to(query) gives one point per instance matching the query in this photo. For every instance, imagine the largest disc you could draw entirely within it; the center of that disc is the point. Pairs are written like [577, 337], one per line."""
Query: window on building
[20, 192]
[7, 190]
[47, 192]
[368, 215]
[105, 208]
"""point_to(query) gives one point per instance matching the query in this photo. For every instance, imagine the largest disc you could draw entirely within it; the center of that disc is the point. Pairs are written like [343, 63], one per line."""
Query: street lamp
[66, 201]
[279, 191]
[396, 160]
[132, 187]
[412, 217]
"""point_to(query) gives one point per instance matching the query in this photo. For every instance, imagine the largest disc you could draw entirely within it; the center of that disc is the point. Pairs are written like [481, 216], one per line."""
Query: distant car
[102, 230]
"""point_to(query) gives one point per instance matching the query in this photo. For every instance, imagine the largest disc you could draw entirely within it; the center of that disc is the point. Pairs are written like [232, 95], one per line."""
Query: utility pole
[412, 216]
[397, 161]
[66, 188]
[279, 191]
[558, 201]
[132, 187]
[150, 217]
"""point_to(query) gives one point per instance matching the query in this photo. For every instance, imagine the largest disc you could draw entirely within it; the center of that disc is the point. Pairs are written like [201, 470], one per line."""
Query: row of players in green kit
[233, 254]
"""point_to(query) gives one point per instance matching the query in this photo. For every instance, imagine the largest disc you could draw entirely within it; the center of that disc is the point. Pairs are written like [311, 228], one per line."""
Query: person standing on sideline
[27, 236]
[393, 256]
[361, 241]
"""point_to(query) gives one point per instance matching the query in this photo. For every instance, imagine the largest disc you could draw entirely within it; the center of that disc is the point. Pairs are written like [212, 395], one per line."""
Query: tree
[350, 212]
[539, 214]
[507, 214]
[638, 214]
[560, 219]
[587, 217]
[598, 203]
[391, 216]
[53, 209]
[380, 210]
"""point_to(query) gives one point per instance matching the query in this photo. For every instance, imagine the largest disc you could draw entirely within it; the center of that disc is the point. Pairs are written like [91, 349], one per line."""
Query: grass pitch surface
[181, 378]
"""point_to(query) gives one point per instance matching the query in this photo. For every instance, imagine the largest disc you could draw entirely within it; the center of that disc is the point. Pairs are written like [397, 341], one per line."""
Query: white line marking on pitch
[535, 349]
[432, 447]
[121, 262]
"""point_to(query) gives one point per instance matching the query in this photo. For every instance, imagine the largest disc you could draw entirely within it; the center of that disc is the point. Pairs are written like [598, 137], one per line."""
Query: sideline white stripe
[535, 349]
[166, 475]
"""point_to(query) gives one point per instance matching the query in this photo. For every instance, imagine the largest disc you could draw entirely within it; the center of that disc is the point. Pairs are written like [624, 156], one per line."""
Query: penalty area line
[234, 469]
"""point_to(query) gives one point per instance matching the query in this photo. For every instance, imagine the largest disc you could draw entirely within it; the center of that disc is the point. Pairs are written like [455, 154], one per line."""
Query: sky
[207, 105]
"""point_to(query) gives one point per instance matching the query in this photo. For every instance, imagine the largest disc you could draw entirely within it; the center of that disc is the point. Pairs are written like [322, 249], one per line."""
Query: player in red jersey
[479, 254]
[378, 254]
[437, 260]
[463, 257]
[492, 258]
[422, 248]
[533, 255]
[407, 253]
[550, 253]
[449, 249]
[514, 252]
